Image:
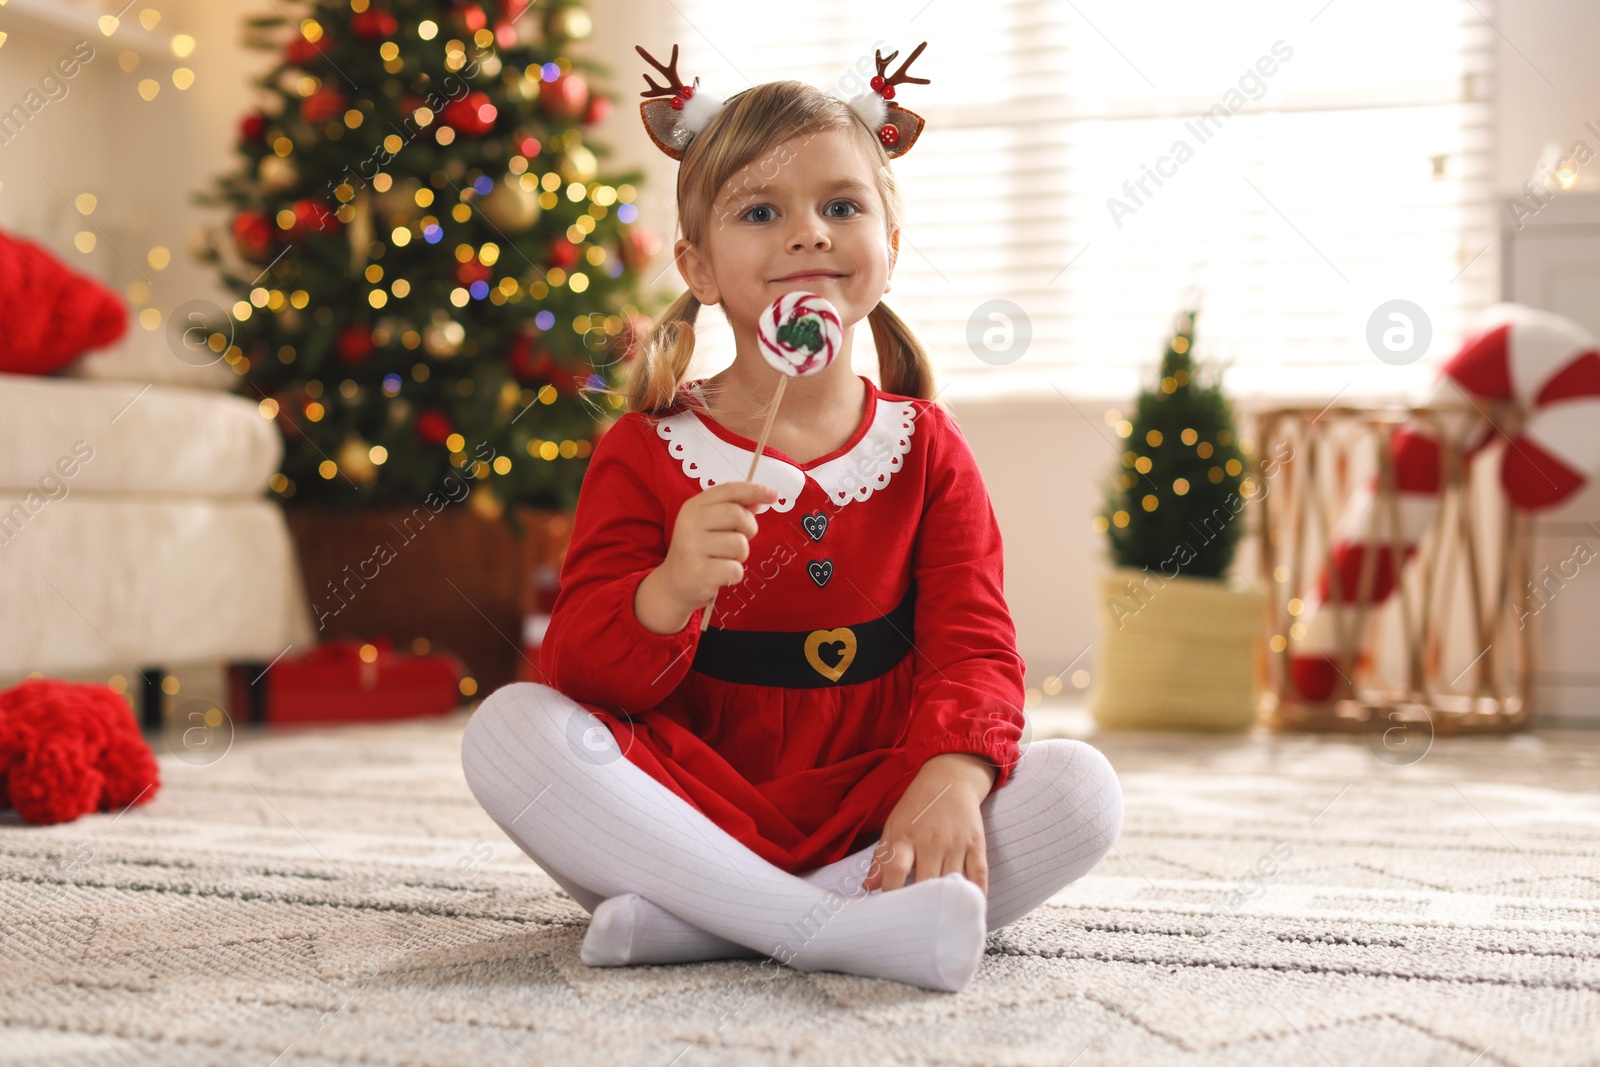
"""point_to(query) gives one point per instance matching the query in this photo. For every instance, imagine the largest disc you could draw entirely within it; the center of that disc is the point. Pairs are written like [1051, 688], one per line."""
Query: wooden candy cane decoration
[1550, 367]
[799, 334]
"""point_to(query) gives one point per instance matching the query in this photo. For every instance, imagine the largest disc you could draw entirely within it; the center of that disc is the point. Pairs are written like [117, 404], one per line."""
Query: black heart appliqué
[821, 571]
[816, 524]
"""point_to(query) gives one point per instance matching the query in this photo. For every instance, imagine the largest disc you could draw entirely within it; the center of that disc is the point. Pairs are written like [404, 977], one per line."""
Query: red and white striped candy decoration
[1550, 367]
[790, 309]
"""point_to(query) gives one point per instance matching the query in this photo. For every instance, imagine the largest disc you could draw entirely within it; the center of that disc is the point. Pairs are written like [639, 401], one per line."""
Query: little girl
[829, 773]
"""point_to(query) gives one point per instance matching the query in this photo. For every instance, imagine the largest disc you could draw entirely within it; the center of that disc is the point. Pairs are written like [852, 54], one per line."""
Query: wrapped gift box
[347, 681]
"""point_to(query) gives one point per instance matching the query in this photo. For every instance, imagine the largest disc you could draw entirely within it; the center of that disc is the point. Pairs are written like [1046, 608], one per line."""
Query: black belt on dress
[806, 659]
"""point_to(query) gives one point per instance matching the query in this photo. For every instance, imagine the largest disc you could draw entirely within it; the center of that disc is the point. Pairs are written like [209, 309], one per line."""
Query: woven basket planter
[1175, 653]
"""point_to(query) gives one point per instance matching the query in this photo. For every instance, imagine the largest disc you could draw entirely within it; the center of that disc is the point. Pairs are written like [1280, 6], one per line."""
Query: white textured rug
[337, 896]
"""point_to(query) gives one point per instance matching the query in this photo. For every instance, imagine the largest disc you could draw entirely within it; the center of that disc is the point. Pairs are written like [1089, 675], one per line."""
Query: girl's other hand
[711, 541]
[936, 827]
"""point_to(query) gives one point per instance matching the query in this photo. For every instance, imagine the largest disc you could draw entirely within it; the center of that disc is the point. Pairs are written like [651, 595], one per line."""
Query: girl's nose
[810, 234]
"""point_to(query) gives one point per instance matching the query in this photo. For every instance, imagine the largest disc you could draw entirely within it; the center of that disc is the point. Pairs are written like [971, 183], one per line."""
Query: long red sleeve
[595, 649]
[968, 685]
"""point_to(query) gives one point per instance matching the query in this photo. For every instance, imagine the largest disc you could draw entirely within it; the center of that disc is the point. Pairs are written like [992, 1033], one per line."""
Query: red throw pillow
[50, 315]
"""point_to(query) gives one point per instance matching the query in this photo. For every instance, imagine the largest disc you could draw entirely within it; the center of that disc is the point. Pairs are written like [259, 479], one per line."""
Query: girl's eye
[854, 210]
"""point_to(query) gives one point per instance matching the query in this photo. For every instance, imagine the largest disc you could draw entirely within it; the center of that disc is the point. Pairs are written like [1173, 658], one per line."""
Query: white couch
[135, 530]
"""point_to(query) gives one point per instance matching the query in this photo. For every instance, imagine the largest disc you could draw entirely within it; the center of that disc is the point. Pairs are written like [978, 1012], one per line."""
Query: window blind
[1288, 167]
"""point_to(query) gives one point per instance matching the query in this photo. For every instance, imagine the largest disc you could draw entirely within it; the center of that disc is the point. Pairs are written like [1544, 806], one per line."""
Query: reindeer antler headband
[677, 111]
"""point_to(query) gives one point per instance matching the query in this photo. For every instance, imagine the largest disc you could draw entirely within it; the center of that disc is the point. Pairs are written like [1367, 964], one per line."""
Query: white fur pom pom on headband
[675, 112]
[872, 108]
[698, 110]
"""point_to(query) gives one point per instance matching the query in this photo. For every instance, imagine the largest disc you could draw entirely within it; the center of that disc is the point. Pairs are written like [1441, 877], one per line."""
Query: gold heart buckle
[817, 638]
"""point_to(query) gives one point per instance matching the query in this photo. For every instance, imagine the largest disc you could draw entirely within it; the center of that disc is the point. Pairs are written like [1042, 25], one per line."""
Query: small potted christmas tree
[1177, 639]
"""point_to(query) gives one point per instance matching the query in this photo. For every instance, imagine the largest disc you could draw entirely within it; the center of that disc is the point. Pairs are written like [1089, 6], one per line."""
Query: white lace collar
[855, 475]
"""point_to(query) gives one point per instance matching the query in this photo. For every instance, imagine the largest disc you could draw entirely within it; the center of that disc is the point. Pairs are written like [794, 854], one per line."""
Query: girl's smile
[815, 275]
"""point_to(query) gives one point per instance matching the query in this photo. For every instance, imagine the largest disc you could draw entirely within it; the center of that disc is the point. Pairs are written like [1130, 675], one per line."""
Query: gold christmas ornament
[276, 173]
[578, 165]
[572, 23]
[509, 206]
[506, 402]
[355, 460]
[443, 339]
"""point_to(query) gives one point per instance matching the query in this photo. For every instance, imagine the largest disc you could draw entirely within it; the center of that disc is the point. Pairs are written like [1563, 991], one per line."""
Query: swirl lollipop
[799, 334]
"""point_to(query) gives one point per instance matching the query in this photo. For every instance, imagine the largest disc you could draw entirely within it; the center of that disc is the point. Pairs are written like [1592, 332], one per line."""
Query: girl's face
[811, 208]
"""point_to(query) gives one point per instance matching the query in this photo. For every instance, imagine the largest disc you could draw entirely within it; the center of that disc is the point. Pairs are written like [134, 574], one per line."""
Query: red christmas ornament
[253, 126]
[374, 24]
[520, 358]
[324, 104]
[599, 109]
[472, 115]
[638, 247]
[472, 17]
[563, 253]
[889, 136]
[315, 216]
[310, 216]
[354, 344]
[537, 366]
[252, 235]
[434, 427]
[529, 146]
[295, 230]
[303, 53]
[511, 10]
[568, 95]
[472, 271]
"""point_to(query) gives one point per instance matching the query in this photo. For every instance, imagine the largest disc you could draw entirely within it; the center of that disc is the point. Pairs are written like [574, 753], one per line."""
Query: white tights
[665, 884]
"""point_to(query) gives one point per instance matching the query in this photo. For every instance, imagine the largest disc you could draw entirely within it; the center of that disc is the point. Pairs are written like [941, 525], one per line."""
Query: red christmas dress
[870, 633]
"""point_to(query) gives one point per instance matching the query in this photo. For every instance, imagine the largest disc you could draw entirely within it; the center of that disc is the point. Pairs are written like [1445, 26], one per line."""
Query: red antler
[670, 71]
[900, 77]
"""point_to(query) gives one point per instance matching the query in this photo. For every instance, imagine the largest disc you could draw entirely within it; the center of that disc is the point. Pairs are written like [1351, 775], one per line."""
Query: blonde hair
[749, 125]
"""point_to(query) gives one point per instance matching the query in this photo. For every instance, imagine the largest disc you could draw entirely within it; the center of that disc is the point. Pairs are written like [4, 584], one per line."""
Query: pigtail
[661, 361]
[903, 365]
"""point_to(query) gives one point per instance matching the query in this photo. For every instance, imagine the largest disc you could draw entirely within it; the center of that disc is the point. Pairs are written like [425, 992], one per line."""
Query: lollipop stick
[761, 446]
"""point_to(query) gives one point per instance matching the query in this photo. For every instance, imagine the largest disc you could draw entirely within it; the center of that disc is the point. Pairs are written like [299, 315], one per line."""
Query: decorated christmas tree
[431, 268]
[1176, 505]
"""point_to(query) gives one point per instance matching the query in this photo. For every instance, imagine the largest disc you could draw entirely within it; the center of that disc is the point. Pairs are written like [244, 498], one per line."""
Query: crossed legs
[1045, 828]
[665, 884]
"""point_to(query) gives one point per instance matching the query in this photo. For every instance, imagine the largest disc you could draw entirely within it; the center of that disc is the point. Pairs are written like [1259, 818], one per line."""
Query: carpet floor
[336, 896]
